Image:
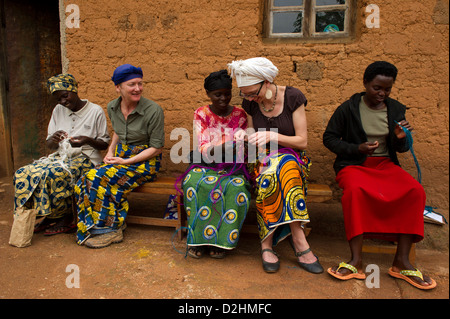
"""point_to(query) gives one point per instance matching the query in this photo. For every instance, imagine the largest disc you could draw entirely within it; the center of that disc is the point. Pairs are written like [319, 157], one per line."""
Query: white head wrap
[252, 71]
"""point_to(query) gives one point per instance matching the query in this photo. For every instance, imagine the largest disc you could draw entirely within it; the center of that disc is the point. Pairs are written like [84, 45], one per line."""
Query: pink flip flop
[54, 230]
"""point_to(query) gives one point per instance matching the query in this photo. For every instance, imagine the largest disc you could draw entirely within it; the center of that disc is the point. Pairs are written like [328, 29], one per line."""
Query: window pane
[285, 3]
[287, 22]
[329, 2]
[330, 21]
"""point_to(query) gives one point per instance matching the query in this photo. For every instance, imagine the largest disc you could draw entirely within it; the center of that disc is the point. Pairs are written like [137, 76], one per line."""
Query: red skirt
[381, 200]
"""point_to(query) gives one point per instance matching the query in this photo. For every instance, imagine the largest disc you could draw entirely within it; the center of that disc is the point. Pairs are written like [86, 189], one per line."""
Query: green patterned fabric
[216, 205]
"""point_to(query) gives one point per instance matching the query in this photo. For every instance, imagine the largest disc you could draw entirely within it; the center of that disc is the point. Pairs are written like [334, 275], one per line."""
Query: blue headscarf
[126, 72]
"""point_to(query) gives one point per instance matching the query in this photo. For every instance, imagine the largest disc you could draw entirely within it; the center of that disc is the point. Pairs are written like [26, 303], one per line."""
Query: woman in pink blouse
[216, 191]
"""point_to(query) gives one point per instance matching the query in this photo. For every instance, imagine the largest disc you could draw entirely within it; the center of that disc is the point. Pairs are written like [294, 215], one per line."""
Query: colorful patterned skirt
[47, 186]
[381, 200]
[281, 188]
[216, 205]
[102, 192]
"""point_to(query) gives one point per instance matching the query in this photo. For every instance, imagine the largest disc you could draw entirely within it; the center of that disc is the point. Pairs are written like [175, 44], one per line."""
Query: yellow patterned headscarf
[62, 82]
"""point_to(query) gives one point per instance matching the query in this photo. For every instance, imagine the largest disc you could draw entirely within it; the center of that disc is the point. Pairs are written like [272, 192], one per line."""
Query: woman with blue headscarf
[132, 159]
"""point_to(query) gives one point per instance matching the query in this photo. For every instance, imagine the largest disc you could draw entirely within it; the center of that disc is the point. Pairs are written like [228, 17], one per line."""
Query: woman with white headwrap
[277, 113]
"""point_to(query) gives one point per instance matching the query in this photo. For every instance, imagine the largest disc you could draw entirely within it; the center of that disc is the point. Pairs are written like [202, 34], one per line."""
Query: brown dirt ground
[147, 265]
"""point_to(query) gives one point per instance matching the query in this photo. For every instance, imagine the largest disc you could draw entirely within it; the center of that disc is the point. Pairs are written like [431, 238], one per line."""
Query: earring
[269, 94]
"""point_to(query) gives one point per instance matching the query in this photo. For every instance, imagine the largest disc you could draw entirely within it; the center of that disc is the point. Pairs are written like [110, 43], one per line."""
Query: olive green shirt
[375, 124]
[144, 125]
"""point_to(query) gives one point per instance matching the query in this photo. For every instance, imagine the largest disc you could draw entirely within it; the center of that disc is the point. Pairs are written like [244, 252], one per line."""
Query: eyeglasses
[251, 95]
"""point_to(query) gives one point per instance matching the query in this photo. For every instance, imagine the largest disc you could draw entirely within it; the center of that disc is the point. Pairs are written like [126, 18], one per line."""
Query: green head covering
[62, 82]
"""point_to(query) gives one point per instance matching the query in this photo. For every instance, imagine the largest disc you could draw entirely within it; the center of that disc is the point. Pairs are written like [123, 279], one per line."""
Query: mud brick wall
[178, 43]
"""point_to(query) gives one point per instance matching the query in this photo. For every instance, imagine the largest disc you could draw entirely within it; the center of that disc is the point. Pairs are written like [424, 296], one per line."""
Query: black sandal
[195, 252]
[216, 252]
[267, 266]
[315, 267]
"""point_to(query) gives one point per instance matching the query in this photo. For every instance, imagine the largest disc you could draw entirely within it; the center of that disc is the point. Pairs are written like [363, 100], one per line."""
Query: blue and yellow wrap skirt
[47, 185]
[102, 193]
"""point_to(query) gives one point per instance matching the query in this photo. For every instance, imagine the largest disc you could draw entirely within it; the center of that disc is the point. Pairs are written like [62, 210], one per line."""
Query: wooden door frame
[6, 158]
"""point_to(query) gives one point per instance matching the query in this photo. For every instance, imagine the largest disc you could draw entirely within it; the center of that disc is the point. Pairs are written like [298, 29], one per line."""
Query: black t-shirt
[293, 99]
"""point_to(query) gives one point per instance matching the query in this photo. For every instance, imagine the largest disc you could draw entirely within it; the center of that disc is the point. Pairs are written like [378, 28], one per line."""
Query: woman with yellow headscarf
[76, 133]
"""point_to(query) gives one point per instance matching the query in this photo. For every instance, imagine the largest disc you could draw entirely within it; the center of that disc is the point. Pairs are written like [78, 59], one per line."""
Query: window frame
[308, 33]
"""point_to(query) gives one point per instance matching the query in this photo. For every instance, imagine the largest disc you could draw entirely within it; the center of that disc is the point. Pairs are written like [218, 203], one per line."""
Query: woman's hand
[58, 136]
[53, 141]
[368, 147]
[263, 137]
[78, 141]
[109, 154]
[114, 160]
[399, 131]
[240, 135]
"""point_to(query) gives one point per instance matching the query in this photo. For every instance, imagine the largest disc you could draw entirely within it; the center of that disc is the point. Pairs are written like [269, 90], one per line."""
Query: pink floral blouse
[212, 129]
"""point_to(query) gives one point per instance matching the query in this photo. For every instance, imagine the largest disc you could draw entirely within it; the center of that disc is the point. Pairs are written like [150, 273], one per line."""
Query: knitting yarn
[60, 157]
[409, 142]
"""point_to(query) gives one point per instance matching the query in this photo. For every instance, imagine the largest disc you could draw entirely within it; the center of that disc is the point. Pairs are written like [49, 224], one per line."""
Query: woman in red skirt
[380, 199]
